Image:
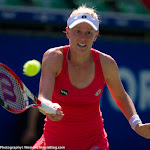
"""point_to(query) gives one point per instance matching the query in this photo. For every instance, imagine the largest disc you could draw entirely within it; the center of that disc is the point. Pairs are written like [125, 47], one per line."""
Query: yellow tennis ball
[31, 68]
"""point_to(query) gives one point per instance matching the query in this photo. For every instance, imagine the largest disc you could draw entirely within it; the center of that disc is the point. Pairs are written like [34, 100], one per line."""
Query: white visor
[75, 20]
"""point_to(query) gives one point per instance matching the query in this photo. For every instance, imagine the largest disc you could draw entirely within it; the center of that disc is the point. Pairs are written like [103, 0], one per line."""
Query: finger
[57, 107]
[51, 115]
[58, 111]
[56, 118]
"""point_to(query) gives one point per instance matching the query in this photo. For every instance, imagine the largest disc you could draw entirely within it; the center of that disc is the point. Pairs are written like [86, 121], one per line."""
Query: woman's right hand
[54, 117]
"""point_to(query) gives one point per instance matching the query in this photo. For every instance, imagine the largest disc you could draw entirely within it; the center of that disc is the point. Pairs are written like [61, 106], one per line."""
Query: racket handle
[47, 108]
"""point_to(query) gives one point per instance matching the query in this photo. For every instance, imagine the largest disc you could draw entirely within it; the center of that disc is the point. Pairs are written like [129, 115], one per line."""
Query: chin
[79, 49]
[82, 49]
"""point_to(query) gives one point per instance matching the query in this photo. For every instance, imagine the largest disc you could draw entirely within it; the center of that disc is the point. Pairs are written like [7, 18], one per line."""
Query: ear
[96, 36]
[67, 32]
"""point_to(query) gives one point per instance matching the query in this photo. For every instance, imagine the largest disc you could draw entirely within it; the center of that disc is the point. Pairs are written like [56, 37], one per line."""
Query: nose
[83, 37]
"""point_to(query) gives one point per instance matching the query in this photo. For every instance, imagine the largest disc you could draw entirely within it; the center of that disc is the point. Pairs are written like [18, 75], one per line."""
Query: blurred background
[29, 27]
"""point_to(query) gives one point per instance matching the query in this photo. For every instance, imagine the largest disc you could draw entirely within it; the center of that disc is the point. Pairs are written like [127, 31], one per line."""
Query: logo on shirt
[94, 148]
[98, 92]
[63, 92]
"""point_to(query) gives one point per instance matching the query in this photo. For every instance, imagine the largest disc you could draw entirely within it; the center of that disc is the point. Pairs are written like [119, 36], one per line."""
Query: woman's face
[81, 37]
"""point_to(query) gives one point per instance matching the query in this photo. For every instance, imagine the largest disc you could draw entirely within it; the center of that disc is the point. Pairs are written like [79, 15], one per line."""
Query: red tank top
[81, 107]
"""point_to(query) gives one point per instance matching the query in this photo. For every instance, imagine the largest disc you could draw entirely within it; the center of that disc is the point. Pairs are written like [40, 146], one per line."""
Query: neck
[78, 61]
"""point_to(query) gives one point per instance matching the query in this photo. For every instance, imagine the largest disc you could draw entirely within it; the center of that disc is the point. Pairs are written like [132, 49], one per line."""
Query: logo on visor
[84, 16]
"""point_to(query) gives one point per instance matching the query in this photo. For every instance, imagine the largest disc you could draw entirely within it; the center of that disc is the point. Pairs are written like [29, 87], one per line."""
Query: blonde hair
[85, 10]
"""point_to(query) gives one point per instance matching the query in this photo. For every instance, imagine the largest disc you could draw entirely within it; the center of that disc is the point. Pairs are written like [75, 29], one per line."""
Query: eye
[88, 32]
[77, 31]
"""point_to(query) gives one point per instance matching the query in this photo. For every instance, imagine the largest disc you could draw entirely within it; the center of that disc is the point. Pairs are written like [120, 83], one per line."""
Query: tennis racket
[15, 96]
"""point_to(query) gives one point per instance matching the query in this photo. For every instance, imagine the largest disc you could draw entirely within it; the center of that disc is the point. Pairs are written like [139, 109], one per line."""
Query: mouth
[81, 45]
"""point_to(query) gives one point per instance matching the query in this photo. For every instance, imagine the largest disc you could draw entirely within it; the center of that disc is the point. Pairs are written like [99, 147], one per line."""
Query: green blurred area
[126, 6]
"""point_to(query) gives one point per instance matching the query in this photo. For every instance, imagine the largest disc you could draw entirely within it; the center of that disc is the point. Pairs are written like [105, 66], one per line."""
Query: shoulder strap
[97, 63]
[65, 54]
[64, 66]
[65, 51]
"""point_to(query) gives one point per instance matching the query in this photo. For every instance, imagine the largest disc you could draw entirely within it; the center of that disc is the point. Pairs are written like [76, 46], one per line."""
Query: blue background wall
[134, 64]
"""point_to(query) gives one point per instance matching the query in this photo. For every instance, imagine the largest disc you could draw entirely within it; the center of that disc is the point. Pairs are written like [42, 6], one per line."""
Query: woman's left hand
[143, 130]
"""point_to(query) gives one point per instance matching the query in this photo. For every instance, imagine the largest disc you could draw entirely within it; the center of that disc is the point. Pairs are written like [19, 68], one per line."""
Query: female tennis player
[72, 81]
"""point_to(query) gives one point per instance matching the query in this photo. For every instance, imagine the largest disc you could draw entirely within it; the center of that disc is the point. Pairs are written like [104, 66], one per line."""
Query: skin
[81, 38]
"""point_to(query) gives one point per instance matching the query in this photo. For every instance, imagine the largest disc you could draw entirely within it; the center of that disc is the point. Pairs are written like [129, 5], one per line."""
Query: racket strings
[10, 90]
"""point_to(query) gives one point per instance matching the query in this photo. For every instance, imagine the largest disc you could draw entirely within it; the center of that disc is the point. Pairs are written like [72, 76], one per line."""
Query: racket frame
[26, 93]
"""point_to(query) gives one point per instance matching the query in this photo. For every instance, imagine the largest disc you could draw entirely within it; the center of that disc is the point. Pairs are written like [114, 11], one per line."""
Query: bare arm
[122, 99]
[51, 67]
